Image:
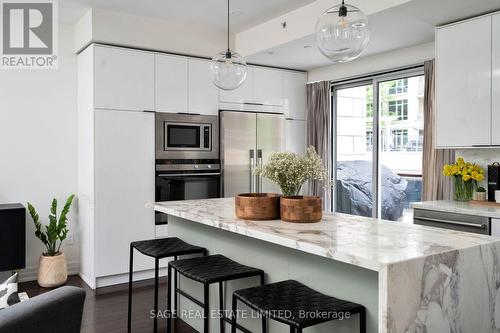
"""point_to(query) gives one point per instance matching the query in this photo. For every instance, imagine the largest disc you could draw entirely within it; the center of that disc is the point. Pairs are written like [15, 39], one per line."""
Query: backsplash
[483, 157]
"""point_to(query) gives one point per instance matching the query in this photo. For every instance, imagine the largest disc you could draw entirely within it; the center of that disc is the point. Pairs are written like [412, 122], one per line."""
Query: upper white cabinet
[124, 79]
[242, 94]
[203, 94]
[495, 108]
[171, 83]
[268, 86]
[463, 83]
[295, 95]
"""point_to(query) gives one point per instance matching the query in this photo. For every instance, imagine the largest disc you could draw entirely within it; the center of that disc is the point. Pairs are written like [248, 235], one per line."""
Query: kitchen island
[410, 278]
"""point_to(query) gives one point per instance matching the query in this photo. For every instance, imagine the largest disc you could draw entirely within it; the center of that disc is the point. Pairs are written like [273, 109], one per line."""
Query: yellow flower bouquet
[465, 177]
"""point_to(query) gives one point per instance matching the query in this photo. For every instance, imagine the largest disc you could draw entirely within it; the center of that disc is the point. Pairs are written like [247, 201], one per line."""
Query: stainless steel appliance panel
[270, 138]
[238, 145]
[453, 221]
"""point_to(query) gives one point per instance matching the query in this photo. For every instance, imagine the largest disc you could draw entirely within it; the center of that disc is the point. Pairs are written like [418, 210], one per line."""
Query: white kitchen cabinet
[495, 98]
[268, 86]
[171, 83]
[123, 79]
[124, 182]
[203, 94]
[161, 231]
[295, 94]
[295, 137]
[495, 227]
[463, 84]
[242, 94]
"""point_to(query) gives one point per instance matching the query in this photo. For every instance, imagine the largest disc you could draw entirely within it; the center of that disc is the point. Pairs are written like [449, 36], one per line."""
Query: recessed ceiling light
[270, 52]
[307, 46]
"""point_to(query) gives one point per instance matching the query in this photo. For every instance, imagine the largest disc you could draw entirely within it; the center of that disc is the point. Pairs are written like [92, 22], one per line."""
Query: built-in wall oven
[187, 158]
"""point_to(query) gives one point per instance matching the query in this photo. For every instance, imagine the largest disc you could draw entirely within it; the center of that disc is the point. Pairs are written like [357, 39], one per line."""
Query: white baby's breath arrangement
[290, 171]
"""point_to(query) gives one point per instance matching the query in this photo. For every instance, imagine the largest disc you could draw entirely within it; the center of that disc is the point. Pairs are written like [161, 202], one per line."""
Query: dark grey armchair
[57, 311]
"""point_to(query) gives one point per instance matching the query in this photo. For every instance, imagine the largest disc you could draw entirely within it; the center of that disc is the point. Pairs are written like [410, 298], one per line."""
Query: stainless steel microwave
[185, 136]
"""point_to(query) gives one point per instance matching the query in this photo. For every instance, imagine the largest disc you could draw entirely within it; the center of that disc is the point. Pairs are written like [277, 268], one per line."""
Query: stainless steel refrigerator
[247, 140]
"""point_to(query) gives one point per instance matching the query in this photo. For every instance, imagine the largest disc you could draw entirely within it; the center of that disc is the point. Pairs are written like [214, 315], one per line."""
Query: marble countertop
[461, 207]
[365, 242]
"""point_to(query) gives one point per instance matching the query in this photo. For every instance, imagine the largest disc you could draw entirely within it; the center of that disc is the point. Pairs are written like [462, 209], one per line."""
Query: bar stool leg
[130, 270]
[362, 321]
[175, 289]
[264, 321]
[206, 307]
[233, 315]
[221, 308]
[156, 296]
[169, 298]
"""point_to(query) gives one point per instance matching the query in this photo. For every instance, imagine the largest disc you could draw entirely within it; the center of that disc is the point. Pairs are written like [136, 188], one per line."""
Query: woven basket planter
[258, 206]
[301, 209]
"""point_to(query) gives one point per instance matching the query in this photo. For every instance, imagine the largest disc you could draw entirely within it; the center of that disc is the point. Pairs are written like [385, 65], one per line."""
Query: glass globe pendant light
[342, 33]
[228, 69]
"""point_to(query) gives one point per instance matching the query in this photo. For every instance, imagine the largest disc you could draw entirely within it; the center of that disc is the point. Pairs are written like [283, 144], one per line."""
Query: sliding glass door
[377, 148]
[354, 144]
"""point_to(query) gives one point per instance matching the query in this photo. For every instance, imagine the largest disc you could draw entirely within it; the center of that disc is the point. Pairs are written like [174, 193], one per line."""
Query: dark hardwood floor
[105, 310]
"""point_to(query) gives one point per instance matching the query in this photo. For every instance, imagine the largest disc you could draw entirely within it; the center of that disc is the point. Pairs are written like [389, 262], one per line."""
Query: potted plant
[465, 177]
[52, 270]
[480, 194]
[290, 171]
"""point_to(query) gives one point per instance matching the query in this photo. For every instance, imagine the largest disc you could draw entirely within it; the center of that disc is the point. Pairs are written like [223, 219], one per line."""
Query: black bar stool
[158, 248]
[208, 270]
[289, 302]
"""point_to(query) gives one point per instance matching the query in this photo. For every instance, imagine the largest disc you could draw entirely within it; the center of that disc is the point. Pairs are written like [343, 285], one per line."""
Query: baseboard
[87, 281]
[30, 273]
[106, 281]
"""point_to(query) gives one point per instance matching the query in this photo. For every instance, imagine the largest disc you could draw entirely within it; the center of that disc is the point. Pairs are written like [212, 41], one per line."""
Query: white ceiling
[402, 26]
[206, 13]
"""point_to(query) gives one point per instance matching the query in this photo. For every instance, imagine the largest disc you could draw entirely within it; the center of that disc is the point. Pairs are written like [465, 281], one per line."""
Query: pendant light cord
[228, 26]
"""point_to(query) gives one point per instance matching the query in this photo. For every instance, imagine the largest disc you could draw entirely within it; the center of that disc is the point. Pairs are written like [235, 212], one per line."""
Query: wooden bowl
[301, 209]
[258, 206]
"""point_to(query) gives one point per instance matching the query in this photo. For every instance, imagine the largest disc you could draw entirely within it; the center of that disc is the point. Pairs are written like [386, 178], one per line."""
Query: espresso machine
[493, 180]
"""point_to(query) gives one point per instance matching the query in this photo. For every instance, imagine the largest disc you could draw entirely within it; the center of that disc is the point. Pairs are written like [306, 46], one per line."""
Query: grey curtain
[435, 186]
[318, 128]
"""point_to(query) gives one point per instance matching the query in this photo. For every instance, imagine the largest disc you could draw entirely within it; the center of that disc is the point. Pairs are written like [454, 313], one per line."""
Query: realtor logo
[29, 35]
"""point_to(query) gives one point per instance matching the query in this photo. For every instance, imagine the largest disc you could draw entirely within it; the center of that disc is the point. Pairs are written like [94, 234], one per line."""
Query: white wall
[372, 64]
[38, 143]
[104, 26]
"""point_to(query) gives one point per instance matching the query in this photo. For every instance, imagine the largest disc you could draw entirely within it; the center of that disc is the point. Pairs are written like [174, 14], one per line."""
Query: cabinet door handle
[464, 224]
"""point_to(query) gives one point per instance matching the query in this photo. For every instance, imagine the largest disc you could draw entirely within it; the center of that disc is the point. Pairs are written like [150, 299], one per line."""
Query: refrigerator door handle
[252, 167]
[259, 163]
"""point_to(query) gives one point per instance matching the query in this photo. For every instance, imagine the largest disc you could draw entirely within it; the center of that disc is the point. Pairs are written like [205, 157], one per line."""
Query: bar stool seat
[166, 247]
[289, 301]
[158, 249]
[214, 268]
[207, 270]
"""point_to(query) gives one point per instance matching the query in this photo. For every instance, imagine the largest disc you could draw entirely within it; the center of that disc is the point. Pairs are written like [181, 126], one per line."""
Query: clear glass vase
[463, 190]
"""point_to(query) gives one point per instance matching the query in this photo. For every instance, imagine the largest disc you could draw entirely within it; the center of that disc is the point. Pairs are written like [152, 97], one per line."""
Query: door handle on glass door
[259, 163]
[252, 166]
